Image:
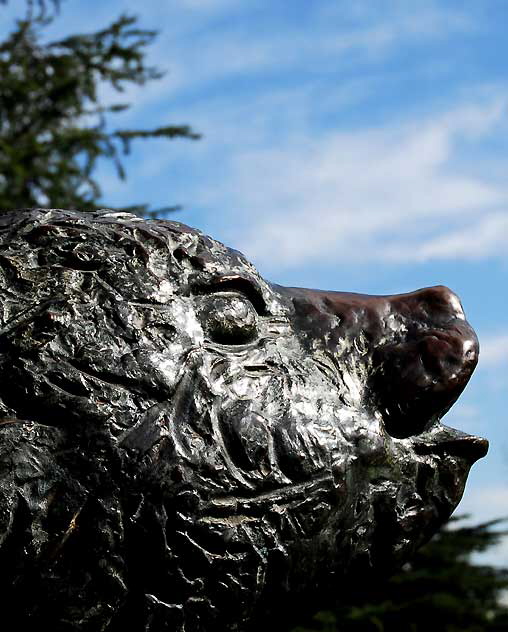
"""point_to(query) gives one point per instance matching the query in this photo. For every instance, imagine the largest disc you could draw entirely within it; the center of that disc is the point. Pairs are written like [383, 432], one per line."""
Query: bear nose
[417, 376]
[436, 331]
[416, 350]
[342, 315]
[433, 304]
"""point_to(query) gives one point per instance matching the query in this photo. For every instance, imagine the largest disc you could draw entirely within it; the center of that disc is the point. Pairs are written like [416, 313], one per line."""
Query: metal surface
[184, 446]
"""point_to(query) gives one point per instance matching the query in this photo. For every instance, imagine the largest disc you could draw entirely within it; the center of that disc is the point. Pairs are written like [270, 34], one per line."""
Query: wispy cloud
[390, 194]
[485, 503]
[494, 350]
[483, 237]
[304, 191]
[204, 51]
[292, 195]
[203, 5]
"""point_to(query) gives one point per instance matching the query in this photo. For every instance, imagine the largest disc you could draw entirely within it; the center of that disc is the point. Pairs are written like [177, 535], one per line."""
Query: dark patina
[184, 446]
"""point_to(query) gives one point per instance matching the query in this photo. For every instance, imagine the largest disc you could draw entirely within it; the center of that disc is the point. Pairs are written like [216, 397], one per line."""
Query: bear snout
[416, 351]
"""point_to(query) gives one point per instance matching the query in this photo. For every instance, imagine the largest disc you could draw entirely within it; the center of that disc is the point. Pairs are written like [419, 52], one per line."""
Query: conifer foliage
[443, 589]
[53, 126]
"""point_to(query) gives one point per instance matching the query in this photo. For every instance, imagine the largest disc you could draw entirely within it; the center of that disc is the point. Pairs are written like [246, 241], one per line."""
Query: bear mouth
[444, 441]
[446, 444]
[233, 508]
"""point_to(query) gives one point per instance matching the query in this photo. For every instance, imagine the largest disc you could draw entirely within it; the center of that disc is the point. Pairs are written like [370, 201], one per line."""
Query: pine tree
[443, 590]
[53, 126]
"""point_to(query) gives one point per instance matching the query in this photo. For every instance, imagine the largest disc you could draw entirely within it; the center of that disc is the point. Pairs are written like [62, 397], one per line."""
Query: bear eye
[229, 318]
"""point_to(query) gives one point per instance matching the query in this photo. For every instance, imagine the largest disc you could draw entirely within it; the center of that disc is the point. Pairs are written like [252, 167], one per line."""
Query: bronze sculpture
[185, 446]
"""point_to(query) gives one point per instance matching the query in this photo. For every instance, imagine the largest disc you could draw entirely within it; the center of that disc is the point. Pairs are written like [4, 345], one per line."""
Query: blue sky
[357, 146]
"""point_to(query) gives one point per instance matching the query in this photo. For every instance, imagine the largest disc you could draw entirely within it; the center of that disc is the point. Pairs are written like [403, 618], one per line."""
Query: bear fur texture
[187, 447]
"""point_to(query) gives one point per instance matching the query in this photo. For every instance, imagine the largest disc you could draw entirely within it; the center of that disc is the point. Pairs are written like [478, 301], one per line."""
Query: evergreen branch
[53, 126]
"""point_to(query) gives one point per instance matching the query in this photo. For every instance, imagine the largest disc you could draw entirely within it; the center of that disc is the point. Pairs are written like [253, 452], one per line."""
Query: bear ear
[59, 535]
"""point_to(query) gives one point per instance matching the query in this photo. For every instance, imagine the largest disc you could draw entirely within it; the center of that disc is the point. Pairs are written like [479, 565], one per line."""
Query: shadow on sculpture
[184, 446]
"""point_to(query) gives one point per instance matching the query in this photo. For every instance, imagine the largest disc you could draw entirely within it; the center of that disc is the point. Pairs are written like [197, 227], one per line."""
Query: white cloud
[427, 16]
[484, 237]
[487, 503]
[494, 350]
[198, 50]
[204, 5]
[373, 195]
[400, 23]
[394, 193]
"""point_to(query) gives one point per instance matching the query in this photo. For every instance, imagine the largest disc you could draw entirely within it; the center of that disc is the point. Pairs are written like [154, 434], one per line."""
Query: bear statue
[185, 446]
